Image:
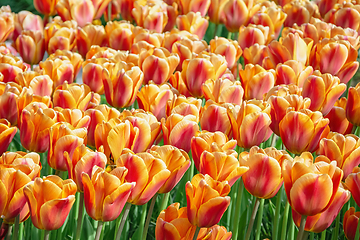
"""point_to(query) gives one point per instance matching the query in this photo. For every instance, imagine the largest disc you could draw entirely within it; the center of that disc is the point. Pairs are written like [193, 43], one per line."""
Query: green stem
[197, 233]
[46, 234]
[229, 35]
[80, 216]
[312, 236]
[165, 200]
[148, 217]
[357, 230]
[353, 130]
[16, 228]
[98, 230]
[123, 220]
[305, 235]
[21, 231]
[291, 229]
[142, 219]
[337, 226]
[252, 219]
[191, 170]
[277, 213]
[323, 235]
[302, 227]
[236, 217]
[259, 221]
[285, 220]
[8, 235]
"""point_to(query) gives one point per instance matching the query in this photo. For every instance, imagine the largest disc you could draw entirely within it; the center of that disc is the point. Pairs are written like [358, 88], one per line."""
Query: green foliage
[19, 5]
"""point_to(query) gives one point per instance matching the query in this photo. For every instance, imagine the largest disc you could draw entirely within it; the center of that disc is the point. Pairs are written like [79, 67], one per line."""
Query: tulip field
[179, 119]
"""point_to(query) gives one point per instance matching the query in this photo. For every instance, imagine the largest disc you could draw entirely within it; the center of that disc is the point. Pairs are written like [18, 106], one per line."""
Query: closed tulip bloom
[74, 58]
[178, 83]
[100, 137]
[46, 7]
[7, 133]
[178, 130]
[352, 183]
[211, 142]
[105, 194]
[207, 200]
[41, 85]
[98, 115]
[300, 12]
[214, 117]
[350, 222]
[31, 46]
[337, 116]
[215, 10]
[63, 138]
[292, 72]
[177, 162]
[6, 25]
[352, 105]
[236, 13]
[345, 14]
[153, 98]
[223, 90]
[34, 130]
[227, 48]
[193, 23]
[82, 11]
[151, 16]
[9, 72]
[90, 35]
[119, 35]
[9, 94]
[201, 6]
[60, 35]
[147, 171]
[251, 125]
[50, 200]
[302, 130]
[28, 163]
[25, 20]
[121, 89]
[12, 199]
[183, 106]
[74, 117]
[75, 96]
[310, 188]
[264, 178]
[58, 70]
[252, 34]
[322, 221]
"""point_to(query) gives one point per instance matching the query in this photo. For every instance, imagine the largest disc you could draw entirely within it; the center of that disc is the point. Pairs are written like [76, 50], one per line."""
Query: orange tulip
[169, 38]
[264, 178]
[119, 35]
[251, 125]
[31, 46]
[183, 106]
[28, 163]
[98, 115]
[227, 48]
[193, 23]
[292, 72]
[177, 162]
[9, 95]
[337, 116]
[255, 54]
[236, 13]
[74, 58]
[90, 35]
[7, 133]
[352, 105]
[46, 7]
[300, 12]
[12, 199]
[58, 70]
[148, 172]
[352, 184]
[35, 124]
[6, 24]
[152, 16]
[101, 133]
[350, 222]
[40, 85]
[151, 37]
[63, 138]
[344, 14]
[50, 200]
[215, 10]
[25, 20]
[9, 71]
[75, 96]
[153, 98]
[207, 200]
[178, 83]
[302, 130]
[201, 6]
[223, 90]
[121, 87]
[251, 34]
[74, 117]
[178, 130]
[322, 221]
[310, 188]
[105, 194]
[82, 11]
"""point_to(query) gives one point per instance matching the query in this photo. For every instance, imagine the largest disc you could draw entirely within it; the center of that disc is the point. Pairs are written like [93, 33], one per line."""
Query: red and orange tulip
[352, 184]
[119, 35]
[46, 7]
[31, 46]
[50, 200]
[81, 11]
[337, 116]
[292, 72]
[352, 105]
[74, 117]
[251, 34]
[9, 94]
[193, 23]
[350, 222]
[183, 106]
[215, 10]
[105, 194]
[300, 12]
[28, 163]
[90, 35]
[236, 13]
[227, 48]
[152, 16]
[207, 200]
[25, 20]
[58, 70]
[6, 25]
[223, 90]
[201, 6]
[74, 58]
[7, 133]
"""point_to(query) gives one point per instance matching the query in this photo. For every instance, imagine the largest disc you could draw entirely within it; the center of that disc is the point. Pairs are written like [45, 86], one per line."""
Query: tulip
[251, 34]
[350, 223]
[177, 162]
[178, 130]
[352, 183]
[352, 109]
[9, 94]
[12, 199]
[345, 15]
[300, 12]
[169, 38]
[158, 64]
[74, 117]
[215, 10]
[90, 35]
[302, 130]
[151, 16]
[120, 89]
[183, 106]
[74, 58]
[100, 7]
[75, 96]
[11, 60]
[153, 98]
[337, 116]
[101, 133]
[178, 83]
[82, 11]
[31, 46]
[207, 200]
[323, 56]
[25, 20]
[7, 133]
[263, 178]
[148, 172]
[151, 37]
[41, 85]
[35, 124]
[251, 125]
[119, 35]
[223, 90]
[6, 25]
[97, 115]
[46, 7]
[50, 200]
[255, 54]
[9, 72]
[310, 188]
[292, 72]
[193, 23]
[236, 13]
[322, 221]
[58, 70]
[227, 48]
[28, 163]
[201, 6]
[214, 117]
[256, 81]
[105, 194]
